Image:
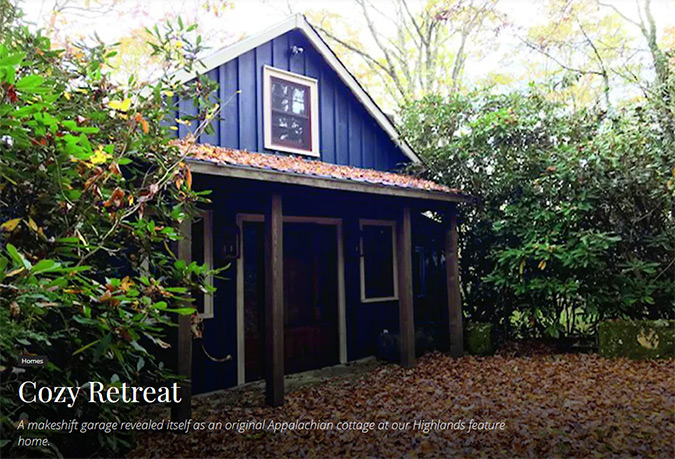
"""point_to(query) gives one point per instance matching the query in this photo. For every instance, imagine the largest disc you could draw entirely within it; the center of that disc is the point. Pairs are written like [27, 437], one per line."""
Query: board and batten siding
[348, 133]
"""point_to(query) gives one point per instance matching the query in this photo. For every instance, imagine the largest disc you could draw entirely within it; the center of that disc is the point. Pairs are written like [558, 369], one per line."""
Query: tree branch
[554, 59]
[390, 64]
[616, 10]
[605, 76]
[412, 20]
[367, 57]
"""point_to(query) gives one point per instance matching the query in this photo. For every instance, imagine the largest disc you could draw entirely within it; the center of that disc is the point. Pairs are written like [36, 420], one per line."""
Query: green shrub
[573, 218]
[637, 339]
[92, 196]
[479, 338]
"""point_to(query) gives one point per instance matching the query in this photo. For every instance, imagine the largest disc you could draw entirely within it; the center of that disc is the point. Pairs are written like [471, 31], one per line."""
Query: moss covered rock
[479, 338]
[638, 339]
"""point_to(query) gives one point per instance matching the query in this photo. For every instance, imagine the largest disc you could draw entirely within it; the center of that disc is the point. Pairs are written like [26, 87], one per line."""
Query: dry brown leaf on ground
[552, 405]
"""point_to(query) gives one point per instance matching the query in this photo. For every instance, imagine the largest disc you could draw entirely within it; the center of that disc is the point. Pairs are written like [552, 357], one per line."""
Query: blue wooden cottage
[328, 246]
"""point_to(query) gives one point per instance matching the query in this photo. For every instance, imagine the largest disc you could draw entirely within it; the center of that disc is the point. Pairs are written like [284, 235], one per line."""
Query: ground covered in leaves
[552, 405]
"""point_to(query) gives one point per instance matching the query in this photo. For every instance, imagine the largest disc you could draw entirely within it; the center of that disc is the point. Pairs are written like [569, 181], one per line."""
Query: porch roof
[294, 170]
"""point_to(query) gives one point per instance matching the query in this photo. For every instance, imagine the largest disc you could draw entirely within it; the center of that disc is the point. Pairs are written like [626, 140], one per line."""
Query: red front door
[310, 297]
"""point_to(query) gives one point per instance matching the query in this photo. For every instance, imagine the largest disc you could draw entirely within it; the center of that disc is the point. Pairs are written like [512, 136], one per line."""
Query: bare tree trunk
[662, 92]
[459, 63]
[413, 57]
[662, 71]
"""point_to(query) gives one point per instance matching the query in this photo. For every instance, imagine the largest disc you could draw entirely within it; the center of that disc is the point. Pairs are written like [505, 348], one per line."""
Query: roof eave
[327, 183]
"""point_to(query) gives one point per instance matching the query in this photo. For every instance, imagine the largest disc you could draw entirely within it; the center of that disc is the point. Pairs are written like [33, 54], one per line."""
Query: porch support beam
[274, 302]
[405, 288]
[183, 410]
[452, 280]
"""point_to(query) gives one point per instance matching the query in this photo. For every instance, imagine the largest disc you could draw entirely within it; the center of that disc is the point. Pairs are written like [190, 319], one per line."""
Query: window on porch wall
[378, 261]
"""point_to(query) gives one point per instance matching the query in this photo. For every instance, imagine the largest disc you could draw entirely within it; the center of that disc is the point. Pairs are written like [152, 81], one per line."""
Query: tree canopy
[574, 220]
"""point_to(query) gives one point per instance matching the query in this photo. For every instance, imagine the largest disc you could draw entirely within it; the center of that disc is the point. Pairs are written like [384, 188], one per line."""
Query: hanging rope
[227, 358]
[198, 333]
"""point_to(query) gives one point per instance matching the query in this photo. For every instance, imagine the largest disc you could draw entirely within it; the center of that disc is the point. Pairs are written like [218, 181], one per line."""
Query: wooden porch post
[452, 279]
[274, 302]
[183, 410]
[405, 289]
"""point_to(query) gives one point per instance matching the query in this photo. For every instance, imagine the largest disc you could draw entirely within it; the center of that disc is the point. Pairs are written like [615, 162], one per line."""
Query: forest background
[557, 116]
[558, 113]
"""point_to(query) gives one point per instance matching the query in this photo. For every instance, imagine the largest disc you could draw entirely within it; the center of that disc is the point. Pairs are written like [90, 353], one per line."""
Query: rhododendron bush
[92, 196]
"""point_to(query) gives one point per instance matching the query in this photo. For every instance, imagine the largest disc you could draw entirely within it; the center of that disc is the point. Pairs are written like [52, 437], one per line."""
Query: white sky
[246, 17]
[249, 16]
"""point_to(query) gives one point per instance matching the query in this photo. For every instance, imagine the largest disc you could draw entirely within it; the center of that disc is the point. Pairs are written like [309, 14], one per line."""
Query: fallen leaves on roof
[305, 166]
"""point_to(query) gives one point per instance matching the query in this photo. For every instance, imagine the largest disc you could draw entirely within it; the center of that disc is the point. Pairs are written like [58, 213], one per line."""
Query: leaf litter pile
[552, 405]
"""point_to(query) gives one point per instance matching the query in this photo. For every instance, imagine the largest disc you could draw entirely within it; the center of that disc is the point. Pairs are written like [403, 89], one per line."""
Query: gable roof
[299, 22]
[210, 159]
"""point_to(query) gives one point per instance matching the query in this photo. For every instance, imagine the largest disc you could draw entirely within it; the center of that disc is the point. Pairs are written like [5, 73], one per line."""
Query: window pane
[289, 97]
[290, 117]
[378, 261]
[280, 96]
[419, 272]
[298, 105]
[290, 130]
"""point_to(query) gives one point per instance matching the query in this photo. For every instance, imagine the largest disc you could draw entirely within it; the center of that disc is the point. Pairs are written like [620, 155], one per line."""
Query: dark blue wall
[365, 321]
[348, 134]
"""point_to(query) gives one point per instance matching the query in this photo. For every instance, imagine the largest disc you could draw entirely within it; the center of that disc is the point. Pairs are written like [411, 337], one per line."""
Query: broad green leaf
[45, 266]
[182, 311]
[12, 59]
[29, 82]
[17, 257]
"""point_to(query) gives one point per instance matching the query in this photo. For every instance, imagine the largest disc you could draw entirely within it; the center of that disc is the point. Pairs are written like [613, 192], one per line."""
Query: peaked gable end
[349, 131]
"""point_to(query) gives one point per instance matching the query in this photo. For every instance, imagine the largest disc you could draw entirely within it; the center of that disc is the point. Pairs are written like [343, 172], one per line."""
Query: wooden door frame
[342, 320]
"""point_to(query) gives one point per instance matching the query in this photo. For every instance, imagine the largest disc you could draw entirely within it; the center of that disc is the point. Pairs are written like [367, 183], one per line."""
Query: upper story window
[291, 112]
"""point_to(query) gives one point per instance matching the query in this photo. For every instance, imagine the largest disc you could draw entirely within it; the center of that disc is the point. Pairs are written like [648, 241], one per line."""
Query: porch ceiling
[293, 170]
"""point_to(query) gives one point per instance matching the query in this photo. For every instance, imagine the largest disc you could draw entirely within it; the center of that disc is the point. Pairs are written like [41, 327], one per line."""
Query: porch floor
[252, 393]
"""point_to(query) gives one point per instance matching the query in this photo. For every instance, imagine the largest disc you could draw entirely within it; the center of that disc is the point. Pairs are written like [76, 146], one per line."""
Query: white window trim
[268, 73]
[207, 215]
[392, 224]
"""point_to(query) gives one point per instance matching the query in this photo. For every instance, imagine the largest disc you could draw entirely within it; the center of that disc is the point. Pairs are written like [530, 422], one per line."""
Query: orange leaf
[116, 198]
[188, 177]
